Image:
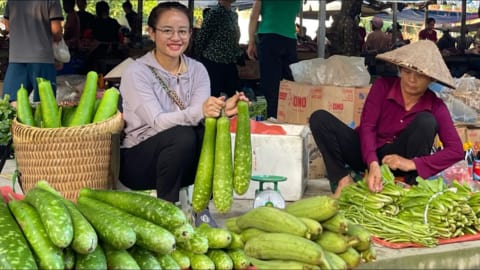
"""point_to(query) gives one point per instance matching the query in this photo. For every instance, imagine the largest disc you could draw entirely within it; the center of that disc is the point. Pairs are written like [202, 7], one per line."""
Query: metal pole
[191, 6]
[138, 31]
[463, 27]
[322, 17]
[394, 22]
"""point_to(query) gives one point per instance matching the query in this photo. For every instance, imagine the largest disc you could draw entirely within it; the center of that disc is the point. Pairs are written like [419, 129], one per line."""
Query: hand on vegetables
[231, 103]
[374, 177]
[213, 106]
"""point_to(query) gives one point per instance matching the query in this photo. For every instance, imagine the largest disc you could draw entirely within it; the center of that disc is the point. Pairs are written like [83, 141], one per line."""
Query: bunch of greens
[7, 113]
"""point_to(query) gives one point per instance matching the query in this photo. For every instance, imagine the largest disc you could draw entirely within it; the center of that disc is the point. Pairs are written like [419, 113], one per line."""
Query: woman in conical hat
[398, 124]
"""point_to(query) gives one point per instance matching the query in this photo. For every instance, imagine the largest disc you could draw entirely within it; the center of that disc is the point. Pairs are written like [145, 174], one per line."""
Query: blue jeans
[27, 74]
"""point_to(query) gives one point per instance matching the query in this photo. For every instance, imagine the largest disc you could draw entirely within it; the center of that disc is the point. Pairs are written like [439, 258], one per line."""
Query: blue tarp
[415, 15]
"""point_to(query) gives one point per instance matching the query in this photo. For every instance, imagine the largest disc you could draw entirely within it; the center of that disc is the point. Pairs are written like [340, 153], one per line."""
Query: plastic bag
[459, 111]
[460, 172]
[61, 52]
[337, 70]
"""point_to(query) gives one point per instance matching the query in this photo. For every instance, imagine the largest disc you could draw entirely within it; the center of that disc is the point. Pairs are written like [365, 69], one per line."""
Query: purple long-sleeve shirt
[384, 117]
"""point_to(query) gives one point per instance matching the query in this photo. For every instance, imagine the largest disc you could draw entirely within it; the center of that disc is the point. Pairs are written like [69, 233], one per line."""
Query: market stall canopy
[416, 15]
[239, 4]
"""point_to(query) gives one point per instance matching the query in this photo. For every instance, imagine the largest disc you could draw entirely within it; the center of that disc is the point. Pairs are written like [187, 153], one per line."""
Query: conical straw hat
[423, 57]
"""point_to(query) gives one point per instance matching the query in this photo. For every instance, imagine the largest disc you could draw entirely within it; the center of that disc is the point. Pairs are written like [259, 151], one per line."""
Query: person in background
[468, 40]
[302, 36]
[33, 27]
[86, 19]
[71, 28]
[106, 35]
[399, 40]
[446, 43]
[476, 46]
[217, 47]
[132, 19]
[429, 31]
[399, 121]
[377, 40]
[164, 132]
[277, 45]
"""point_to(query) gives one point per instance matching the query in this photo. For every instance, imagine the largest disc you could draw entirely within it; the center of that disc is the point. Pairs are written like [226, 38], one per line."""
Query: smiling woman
[166, 96]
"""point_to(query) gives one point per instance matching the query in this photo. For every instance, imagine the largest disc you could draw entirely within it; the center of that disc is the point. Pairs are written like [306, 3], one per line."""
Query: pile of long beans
[421, 214]
[445, 210]
[391, 228]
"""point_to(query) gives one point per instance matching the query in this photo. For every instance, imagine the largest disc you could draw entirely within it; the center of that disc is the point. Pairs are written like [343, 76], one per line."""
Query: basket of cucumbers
[69, 146]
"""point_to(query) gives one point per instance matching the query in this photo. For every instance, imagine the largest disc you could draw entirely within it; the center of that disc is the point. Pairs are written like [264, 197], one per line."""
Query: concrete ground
[450, 256]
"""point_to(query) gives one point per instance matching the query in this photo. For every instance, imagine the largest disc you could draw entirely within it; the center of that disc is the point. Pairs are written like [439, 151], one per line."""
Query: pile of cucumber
[308, 234]
[49, 115]
[217, 174]
[108, 229]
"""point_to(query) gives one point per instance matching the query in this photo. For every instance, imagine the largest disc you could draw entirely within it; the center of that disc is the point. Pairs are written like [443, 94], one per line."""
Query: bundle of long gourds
[48, 114]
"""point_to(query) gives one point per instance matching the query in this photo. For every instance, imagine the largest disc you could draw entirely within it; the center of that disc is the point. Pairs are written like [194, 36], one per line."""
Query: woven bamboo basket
[69, 158]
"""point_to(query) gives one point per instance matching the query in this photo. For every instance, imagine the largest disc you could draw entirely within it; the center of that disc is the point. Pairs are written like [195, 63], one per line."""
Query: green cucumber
[148, 234]
[200, 261]
[223, 168]
[84, 113]
[24, 110]
[159, 211]
[220, 258]
[48, 255]
[236, 242]
[37, 115]
[144, 258]
[85, 238]
[50, 115]
[242, 165]
[54, 215]
[110, 228]
[202, 188]
[239, 258]
[108, 105]
[217, 237]
[14, 250]
[94, 260]
[119, 258]
[197, 244]
[67, 115]
[181, 257]
[167, 262]
[183, 233]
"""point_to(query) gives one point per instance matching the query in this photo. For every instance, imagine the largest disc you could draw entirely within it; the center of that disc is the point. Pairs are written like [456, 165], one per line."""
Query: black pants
[223, 77]
[275, 54]
[340, 145]
[165, 162]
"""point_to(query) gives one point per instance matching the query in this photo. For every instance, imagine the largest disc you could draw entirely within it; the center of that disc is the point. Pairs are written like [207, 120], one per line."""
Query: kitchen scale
[268, 197]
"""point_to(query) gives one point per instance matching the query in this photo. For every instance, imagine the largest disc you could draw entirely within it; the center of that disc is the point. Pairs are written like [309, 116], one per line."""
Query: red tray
[463, 238]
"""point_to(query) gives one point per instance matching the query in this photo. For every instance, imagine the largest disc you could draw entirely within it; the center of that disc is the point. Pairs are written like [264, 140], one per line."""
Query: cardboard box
[282, 155]
[297, 101]
[473, 136]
